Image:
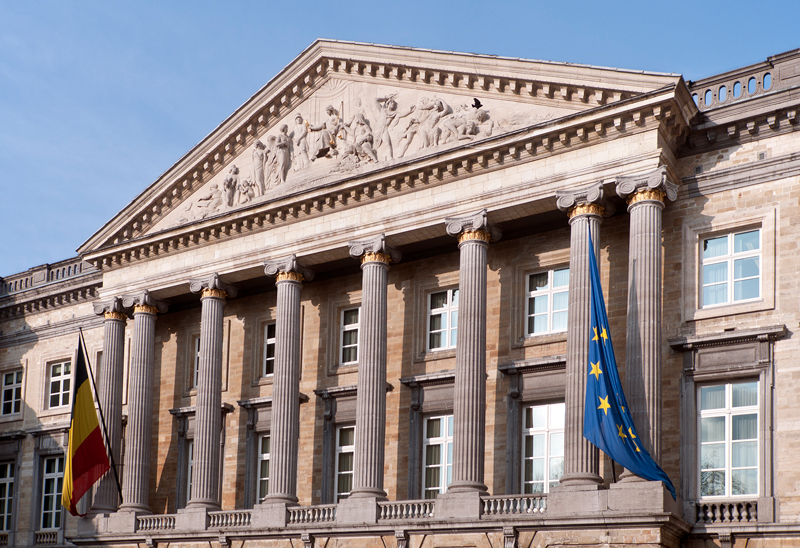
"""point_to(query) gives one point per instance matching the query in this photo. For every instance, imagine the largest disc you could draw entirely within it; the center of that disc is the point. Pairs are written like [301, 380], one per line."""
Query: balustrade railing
[300, 515]
[727, 512]
[232, 518]
[407, 509]
[3, 538]
[505, 505]
[45, 538]
[155, 523]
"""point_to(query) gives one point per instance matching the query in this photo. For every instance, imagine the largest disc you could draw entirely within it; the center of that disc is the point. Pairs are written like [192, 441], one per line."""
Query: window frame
[262, 457]
[267, 341]
[343, 450]
[548, 431]
[57, 510]
[445, 444]
[16, 397]
[8, 496]
[447, 311]
[729, 259]
[348, 328]
[63, 394]
[550, 291]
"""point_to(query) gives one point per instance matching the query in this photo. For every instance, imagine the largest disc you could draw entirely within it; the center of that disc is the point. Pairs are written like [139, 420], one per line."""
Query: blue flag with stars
[607, 422]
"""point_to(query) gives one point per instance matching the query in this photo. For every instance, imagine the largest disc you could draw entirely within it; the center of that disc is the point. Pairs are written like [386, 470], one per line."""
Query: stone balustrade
[730, 512]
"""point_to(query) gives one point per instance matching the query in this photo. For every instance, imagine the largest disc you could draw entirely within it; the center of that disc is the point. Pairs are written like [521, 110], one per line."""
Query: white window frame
[448, 312]
[63, 392]
[728, 412]
[195, 361]
[445, 467]
[549, 291]
[262, 489]
[552, 428]
[345, 329]
[12, 392]
[343, 450]
[6, 496]
[729, 258]
[50, 480]
[268, 362]
[189, 468]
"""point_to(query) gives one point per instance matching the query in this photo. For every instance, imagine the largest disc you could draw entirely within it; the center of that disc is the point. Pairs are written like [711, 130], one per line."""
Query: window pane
[556, 468]
[538, 445]
[745, 268]
[715, 247]
[438, 300]
[746, 289]
[712, 456]
[560, 321]
[712, 484]
[537, 281]
[561, 277]
[744, 453]
[744, 482]
[539, 324]
[560, 301]
[432, 477]
[537, 469]
[454, 301]
[271, 331]
[539, 305]
[350, 337]
[715, 294]
[744, 394]
[346, 436]
[712, 429]
[744, 427]
[265, 445]
[433, 455]
[437, 322]
[434, 429]
[435, 340]
[557, 412]
[557, 444]
[538, 417]
[528, 446]
[747, 241]
[712, 397]
[351, 316]
[715, 273]
[345, 484]
[349, 355]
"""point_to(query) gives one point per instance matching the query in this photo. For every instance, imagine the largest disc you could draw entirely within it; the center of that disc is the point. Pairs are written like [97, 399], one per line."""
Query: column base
[138, 509]
[459, 505]
[192, 519]
[357, 511]
[209, 505]
[580, 480]
[270, 515]
[280, 498]
[468, 487]
[367, 493]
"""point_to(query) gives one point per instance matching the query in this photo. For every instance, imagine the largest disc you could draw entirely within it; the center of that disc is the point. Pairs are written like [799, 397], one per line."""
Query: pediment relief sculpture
[345, 129]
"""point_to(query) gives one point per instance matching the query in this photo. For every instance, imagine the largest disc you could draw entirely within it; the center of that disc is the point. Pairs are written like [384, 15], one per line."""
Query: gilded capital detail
[112, 309]
[113, 315]
[474, 235]
[647, 194]
[584, 201]
[144, 302]
[586, 209]
[215, 293]
[145, 309]
[289, 277]
[374, 250]
[213, 282]
[652, 186]
[473, 227]
[288, 269]
[370, 257]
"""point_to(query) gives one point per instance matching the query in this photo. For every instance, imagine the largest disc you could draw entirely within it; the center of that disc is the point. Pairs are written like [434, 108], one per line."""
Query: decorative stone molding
[288, 268]
[112, 309]
[509, 537]
[213, 286]
[374, 249]
[648, 186]
[473, 227]
[584, 201]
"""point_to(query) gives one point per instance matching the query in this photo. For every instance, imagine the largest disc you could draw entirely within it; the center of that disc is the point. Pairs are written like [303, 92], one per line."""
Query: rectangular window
[548, 297]
[345, 449]
[12, 392]
[437, 455]
[189, 468]
[349, 336]
[52, 482]
[59, 388]
[543, 447]
[731, 268]
[263, 467]
[728, 427]
[195, 361]
[442, 319]
[269, 350]
[6, 495]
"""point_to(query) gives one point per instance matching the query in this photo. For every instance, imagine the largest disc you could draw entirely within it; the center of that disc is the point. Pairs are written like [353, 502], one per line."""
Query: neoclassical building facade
[357, 314]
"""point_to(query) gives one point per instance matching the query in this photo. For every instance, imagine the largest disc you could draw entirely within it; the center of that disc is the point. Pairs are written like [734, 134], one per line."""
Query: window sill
[731, 309]
[266, 380]
[433, 355]
[11, 417]
[337, 369]
[65, 410]
[539, 340]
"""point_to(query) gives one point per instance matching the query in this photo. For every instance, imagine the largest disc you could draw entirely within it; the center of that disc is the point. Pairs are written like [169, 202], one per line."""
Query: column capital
[473, 227]
[584, 201]
[112, 309]
[647, 186]
[288, 268]
[212, 286]
[374, 250]
[144, 302]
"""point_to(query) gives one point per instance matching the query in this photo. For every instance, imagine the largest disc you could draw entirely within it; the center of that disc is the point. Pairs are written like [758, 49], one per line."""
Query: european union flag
[607, 422]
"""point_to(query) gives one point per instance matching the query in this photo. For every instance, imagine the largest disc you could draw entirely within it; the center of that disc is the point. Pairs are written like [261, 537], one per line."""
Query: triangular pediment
[351, 109]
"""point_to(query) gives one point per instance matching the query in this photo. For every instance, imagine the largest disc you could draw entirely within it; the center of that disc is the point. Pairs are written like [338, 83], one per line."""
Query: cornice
[51, 296]
[56, 329]
[741, 176]
[771, 333]
[507, 78]
[661, 109]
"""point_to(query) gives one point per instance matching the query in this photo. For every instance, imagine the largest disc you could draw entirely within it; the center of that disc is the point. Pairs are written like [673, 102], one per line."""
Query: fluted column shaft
[643, 347]
[109, 397]
[582, 462]
[469, 405]
[136, 480]
[285, 427]
[371, 397]
[208, 417]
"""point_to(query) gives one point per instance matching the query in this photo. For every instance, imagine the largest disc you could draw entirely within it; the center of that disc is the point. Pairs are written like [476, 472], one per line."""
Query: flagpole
[102, 418]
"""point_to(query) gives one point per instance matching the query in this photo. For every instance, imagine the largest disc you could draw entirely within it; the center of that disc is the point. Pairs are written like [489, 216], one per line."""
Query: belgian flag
[87, 459]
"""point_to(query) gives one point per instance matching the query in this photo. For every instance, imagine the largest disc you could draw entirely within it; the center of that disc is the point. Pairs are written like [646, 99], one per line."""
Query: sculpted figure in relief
[465, 124]
[363, 138]
[271, 164]
[325, 144]
[231, 184]
[434, 112]
[209, 203]
[299, 143]
[389, 117]
[246, 191]
[259, 158]
[283, 153]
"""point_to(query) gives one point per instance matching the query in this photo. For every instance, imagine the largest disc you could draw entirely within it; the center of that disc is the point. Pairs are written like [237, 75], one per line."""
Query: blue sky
[97, 99]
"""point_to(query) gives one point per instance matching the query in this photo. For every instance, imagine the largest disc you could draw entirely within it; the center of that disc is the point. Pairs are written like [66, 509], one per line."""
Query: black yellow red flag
[87, 459]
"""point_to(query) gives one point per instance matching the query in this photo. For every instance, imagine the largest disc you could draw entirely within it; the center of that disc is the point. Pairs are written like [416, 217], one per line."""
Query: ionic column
[646, 195]
[581, 458]
[285, 427]
[109, 397]
[136, 479]
[469, 405]
[371, 398]
[208, 419]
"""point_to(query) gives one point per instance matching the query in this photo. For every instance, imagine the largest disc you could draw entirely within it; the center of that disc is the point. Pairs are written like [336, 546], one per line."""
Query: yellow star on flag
[604, 335]
[630, 431]
[622, 434]
[604, 405]
[596, 371]
[595, 335]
